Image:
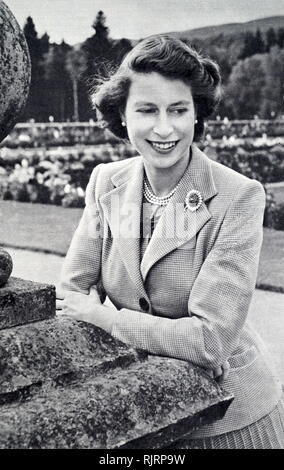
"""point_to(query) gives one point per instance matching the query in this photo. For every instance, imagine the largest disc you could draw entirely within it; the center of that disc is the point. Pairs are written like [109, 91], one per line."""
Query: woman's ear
[123, 121]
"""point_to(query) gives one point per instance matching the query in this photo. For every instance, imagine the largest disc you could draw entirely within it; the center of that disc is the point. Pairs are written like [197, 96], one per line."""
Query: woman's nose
[163, 127]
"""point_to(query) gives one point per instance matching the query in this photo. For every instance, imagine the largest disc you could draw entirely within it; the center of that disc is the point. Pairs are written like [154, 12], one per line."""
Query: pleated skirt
[266, 433]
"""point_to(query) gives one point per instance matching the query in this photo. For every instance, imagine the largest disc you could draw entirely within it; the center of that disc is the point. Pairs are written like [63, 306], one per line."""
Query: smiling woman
[160, 118]
[173, 239]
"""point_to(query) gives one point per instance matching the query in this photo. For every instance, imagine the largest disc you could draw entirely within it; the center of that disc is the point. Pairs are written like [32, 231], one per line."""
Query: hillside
[228, 29]
[232, 28]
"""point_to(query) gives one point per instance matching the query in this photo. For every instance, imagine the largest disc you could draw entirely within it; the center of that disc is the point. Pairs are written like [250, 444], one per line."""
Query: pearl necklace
[160, 201]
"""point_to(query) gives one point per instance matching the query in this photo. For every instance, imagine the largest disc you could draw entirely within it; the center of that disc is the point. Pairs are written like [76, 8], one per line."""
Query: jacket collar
[122, 206]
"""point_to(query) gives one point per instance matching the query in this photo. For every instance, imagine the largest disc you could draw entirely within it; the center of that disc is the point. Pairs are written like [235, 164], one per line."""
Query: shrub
[19, 191]
[74, 198]
[274, 213]
[278, 217]
[270, 207]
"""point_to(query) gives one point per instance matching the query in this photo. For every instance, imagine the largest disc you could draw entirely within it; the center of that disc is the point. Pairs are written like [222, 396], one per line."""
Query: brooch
[193, 200]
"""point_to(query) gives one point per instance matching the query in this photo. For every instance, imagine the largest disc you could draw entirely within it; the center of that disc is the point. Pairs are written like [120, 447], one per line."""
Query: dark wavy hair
[173, 59]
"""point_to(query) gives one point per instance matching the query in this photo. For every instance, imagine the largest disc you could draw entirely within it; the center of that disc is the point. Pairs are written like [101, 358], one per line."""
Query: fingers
[217, 372]
[95, 295]
[222, 372]
[226, 370]
[59, 304]
[59, 294]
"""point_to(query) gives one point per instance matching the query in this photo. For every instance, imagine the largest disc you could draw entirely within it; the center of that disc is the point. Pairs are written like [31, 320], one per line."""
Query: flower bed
[35, 135]
[245, 128]
[56, 176]
[266, 163]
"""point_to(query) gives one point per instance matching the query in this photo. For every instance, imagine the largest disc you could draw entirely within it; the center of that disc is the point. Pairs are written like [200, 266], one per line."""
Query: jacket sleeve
[82, 265]
[220, 297]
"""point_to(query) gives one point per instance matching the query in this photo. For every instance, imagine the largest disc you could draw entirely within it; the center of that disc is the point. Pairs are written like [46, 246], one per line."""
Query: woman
[173, 239]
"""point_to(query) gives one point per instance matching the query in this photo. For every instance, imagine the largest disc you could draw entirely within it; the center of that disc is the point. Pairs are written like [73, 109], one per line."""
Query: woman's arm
[82, 265]
[218, 303]
[220, 297]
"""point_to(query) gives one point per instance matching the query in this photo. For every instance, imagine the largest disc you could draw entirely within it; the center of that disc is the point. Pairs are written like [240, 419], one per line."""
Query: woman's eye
[179, 110]
[146, 110]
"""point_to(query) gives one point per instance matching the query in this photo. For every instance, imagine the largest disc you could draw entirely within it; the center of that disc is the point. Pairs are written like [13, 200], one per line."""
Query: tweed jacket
[189, 296]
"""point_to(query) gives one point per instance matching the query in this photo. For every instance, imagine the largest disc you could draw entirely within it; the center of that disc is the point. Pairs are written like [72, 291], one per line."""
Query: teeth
[165, 146]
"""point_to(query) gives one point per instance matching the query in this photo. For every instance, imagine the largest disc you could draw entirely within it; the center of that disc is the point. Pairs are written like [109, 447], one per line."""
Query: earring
[196, 121]
[123, 124]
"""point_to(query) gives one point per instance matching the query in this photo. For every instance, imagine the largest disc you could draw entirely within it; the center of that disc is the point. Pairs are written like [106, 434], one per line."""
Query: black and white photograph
[142, 227]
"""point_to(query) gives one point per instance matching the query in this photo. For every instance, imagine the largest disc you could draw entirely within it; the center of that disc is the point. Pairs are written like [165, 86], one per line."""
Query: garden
[42, 172]
[51, 163]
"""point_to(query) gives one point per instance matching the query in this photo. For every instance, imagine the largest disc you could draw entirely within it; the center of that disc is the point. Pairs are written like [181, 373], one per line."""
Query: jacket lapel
[122, 208]
[176, 225]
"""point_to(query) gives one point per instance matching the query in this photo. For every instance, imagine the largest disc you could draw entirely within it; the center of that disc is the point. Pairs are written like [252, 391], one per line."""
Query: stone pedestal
[23, 302]
[68, 384]
[15, 70]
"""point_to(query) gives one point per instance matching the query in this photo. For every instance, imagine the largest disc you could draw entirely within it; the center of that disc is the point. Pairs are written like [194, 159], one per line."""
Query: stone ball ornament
[15, 70]
[6, 267]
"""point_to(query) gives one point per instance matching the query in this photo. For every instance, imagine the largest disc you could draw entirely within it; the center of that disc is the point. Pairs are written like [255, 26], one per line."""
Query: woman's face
[160, 119]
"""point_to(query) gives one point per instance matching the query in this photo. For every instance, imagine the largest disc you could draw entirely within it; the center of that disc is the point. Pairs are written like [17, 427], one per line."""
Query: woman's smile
[163, 147]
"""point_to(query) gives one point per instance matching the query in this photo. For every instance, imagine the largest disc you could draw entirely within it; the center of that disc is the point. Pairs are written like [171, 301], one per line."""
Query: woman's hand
[221, 373]
[75, 298]
[86, 307]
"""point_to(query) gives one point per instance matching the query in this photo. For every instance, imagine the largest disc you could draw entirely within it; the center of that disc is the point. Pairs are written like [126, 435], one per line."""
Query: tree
[259, 42]
[98, 48]
[253, 44]
[103, 55]
[29, 30]
[57, 80]
[44, 44]
[33, 44]
[219, 54]
[249, 46]
[271, 39]
[99, 26]
[273, 91]
[36, 105]
[245, 87]
[119, 49]
[75, 65]
[280, 38]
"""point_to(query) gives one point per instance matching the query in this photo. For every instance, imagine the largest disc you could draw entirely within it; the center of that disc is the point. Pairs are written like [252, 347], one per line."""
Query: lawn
[37, 226]
[49, 228]
[278, 191]
[271, 266]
